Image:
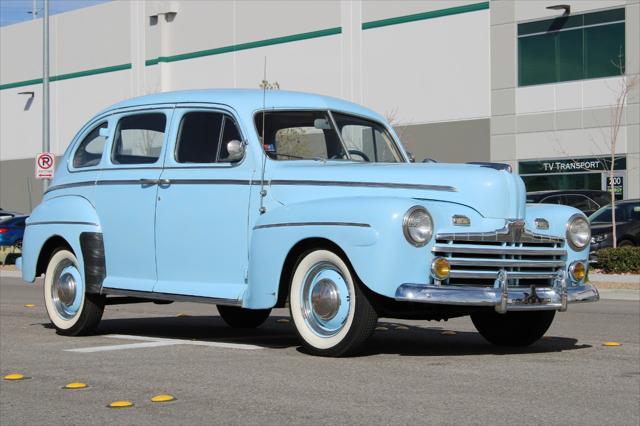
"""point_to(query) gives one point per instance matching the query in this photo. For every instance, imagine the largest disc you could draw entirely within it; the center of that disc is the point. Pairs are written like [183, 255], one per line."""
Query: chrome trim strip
[170, 296]
[514, 231]
[512, 275]
[517, 298]
[62, 222]
[499, 250]
[364, 184]
[507, 263]
[257, 182]
[277, 225]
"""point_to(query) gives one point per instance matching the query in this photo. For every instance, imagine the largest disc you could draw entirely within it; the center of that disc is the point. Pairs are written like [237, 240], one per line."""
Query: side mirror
[235, 149]
[104, 132]
[412, 159]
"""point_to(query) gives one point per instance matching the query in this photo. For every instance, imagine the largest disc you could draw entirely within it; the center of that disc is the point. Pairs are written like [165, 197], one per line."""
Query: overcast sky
[12, 11]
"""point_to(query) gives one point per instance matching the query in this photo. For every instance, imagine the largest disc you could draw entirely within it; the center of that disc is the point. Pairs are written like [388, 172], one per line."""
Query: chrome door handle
[148, 181]
[164, 182]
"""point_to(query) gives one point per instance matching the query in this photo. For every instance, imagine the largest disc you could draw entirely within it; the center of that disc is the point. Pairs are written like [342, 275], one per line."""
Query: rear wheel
[237, 317]
[626, 243]
[513, 328]
[71, 310]
[332, 315]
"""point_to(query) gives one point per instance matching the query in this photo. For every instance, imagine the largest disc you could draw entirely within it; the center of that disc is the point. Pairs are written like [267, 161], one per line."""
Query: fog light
[440, 268]
[578, 271]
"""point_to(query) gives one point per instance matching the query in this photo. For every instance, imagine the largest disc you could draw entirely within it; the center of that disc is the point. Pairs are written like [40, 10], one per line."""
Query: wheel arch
[294, 254]
[48, 248]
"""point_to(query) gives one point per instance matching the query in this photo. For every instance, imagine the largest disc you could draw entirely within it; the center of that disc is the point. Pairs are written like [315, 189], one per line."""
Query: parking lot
[410, 373]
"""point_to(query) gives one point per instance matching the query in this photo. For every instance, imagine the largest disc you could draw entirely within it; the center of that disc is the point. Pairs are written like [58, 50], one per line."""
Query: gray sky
[12, 11]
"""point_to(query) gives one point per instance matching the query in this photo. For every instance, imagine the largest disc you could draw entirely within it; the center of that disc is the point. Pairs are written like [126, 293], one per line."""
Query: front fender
[65, 217]
[367, 229]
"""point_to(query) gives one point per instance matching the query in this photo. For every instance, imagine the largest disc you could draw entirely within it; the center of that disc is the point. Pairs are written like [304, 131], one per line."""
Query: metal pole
[45, 85]
[33, 9]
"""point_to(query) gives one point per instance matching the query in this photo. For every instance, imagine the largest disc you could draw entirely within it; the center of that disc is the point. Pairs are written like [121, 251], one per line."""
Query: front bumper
[502, 297]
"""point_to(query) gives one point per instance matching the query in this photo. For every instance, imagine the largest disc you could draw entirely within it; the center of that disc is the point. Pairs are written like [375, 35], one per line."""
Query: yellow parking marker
[381, 328]
[75, 385]
[612, 344]
[29, 305]
[120, 404]
[283, 320]
[183, 315]
[401, 327]
[448, 333]
[163, 398]
[14, 376]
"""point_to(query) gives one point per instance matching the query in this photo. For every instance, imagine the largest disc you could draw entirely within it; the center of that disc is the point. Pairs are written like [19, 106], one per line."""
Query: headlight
[578, 232]
[417, 226]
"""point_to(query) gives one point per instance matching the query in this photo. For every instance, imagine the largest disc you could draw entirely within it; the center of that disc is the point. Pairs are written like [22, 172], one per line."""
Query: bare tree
[627, 83]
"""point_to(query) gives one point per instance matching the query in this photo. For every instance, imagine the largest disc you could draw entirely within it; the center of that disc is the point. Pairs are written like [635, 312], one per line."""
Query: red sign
[45, 164]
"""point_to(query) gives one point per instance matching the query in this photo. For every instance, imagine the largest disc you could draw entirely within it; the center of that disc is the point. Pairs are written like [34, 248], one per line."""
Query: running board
[170, 297]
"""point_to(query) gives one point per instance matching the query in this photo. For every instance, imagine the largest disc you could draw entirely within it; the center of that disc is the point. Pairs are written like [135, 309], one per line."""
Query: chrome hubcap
[325, 299]
[67, 290]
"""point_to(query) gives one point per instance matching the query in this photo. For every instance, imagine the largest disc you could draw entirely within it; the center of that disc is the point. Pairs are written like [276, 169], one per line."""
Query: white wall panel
[431, 70]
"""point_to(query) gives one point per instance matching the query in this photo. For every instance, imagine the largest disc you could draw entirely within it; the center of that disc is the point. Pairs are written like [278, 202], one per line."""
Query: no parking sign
[45, 163]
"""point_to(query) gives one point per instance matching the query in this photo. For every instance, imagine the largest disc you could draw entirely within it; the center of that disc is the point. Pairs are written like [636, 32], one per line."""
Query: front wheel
[331, 314]
[71, 310]
[237, 317]
[513, 328]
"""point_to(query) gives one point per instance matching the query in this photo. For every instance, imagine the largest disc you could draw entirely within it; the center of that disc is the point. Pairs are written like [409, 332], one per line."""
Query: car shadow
[278, 333]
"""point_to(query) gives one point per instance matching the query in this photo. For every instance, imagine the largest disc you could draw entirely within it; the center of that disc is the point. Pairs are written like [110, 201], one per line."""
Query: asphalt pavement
[410, 373]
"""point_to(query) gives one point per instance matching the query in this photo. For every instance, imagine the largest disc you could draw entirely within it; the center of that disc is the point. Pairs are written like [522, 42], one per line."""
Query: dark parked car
[587, 200]
[12, 230]
[627, 225]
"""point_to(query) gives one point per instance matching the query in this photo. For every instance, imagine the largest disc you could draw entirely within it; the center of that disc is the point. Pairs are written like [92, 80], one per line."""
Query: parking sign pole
[45, 85]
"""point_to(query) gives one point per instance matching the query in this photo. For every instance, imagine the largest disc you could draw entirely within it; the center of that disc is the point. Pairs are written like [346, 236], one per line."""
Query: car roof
[247, 100]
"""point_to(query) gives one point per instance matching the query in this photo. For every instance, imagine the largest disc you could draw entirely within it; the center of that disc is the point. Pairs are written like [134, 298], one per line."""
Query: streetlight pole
[33, 9]
[45, 85]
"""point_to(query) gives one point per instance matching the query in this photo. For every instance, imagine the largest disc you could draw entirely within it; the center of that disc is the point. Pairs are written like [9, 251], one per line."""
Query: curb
[614, 294]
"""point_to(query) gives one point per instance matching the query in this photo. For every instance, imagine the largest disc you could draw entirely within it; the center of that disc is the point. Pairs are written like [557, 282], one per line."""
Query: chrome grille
[478, 261]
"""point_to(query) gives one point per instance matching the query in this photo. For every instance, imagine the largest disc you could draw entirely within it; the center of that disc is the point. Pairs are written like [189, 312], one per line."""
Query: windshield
[304, 135]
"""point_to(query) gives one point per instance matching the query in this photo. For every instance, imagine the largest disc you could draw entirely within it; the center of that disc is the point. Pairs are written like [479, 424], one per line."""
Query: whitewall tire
[331, 313]
[71, 310]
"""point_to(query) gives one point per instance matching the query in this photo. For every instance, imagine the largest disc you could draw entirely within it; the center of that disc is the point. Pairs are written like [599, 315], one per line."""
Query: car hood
[492, 193]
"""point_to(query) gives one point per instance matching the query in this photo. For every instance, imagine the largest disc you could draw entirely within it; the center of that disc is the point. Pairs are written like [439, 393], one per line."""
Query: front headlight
[578, 232]
[417, 226]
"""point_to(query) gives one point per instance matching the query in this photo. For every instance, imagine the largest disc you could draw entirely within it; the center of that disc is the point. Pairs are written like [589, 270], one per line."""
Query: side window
[199, 137]
[230, 132]
[553, 199]
[89, 152]
[579, 202]
[139, 138]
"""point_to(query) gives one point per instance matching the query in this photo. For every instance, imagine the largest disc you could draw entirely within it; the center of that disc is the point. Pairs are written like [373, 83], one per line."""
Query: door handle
[148, 182]
[164, 182]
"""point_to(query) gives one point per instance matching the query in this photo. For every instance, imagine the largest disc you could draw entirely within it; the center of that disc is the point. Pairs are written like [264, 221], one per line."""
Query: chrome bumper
[502, 297]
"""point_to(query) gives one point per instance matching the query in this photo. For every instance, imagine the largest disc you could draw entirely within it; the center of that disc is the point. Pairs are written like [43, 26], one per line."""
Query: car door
[202, 210]
[126, 198]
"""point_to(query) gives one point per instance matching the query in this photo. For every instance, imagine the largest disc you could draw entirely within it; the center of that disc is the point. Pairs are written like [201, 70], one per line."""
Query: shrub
[619, 260]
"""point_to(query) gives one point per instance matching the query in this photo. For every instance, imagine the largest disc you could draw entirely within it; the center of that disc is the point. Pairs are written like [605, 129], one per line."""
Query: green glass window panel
[536, 59]
[554, 182]
[569, 49]
[604, 16]
[604, 49]
[550, 25]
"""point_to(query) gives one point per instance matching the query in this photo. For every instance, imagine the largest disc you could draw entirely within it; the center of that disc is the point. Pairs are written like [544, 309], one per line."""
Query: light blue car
[248, 199]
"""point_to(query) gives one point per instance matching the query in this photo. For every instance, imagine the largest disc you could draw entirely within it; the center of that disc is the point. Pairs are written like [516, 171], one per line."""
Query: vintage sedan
[248, 199]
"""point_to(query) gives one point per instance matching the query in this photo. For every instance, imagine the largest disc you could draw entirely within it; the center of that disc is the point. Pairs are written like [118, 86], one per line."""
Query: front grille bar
[529, 251]
[492, 274]
[514, 263]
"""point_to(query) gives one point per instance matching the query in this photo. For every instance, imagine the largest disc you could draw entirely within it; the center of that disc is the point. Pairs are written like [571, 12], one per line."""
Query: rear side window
[138, 139]
[199, 137]
[89, 152]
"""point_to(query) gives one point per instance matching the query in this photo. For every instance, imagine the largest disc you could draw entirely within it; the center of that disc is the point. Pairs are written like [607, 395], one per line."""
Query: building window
[573, 47]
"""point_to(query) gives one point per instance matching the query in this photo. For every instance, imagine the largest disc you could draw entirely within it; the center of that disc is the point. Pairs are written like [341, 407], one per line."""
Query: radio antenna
[263, 192]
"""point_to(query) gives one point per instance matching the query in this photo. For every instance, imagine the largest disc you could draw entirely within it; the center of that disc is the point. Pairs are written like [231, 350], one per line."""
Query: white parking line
[151, 342]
